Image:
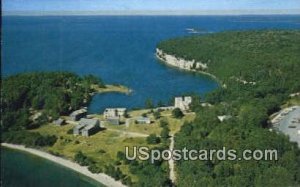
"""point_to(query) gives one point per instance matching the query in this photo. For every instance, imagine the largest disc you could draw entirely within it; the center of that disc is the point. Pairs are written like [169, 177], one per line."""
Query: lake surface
[118, 49]
[20, 169]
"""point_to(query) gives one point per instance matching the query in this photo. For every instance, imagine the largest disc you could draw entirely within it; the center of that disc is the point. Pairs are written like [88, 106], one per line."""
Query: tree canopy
[32, 99]
[260, 70]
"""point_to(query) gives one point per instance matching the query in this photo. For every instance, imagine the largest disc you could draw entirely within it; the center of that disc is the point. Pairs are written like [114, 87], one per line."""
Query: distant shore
[176, 61]
[101, 178]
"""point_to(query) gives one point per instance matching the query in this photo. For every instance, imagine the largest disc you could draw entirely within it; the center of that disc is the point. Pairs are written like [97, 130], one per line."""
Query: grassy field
[103, 146]
[153, 128]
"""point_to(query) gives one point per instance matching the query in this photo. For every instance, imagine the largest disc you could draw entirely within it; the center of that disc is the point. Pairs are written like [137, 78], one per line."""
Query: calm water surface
[19, 169]
[117, 49]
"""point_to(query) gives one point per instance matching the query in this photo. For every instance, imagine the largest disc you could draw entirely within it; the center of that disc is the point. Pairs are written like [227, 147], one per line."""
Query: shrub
[153, 139]
[177, 113]
[156, 114]
[94, 169]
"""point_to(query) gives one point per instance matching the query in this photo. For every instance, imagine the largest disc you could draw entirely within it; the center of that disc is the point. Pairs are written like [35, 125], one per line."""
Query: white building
[143, 120]
[114, 112]
[183, 103]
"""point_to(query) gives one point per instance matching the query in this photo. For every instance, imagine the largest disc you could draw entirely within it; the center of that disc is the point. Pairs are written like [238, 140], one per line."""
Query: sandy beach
[102, 178]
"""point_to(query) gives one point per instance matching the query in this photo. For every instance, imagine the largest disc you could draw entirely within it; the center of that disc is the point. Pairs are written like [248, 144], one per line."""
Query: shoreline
[185, 69]
[101, 177]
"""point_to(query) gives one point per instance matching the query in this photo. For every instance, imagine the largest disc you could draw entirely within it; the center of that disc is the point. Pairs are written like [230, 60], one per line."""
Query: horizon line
[153, 13]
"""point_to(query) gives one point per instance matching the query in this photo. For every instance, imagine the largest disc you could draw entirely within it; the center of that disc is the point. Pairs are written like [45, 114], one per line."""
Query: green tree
[156, 114]
[177, 113]
[275, 176]
[121, 155]
[160, 104]
[153, 139]
[149, 103]
[165, 133]
[163, 123]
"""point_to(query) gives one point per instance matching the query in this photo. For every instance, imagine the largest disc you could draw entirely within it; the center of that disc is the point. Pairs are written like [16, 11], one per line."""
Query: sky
[148, 5]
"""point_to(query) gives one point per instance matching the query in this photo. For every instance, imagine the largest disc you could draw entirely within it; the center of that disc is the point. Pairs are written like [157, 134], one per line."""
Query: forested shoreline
[260, 70]
[30, 100]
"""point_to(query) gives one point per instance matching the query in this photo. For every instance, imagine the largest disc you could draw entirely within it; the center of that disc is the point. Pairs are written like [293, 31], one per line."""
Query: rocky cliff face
[181, 63]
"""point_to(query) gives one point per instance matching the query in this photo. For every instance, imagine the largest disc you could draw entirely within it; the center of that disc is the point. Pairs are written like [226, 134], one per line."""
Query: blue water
[19, 169]
[118, 49]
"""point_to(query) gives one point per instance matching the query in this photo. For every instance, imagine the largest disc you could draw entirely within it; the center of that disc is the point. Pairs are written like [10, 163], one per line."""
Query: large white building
[183, 103]
[114, 112]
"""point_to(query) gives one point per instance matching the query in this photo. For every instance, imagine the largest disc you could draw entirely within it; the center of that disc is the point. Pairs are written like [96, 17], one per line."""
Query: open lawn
[154, 127]
[103, 146]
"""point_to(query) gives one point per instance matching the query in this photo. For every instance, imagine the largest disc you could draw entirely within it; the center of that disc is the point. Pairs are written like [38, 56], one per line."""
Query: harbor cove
[122, 52]
[119, 49]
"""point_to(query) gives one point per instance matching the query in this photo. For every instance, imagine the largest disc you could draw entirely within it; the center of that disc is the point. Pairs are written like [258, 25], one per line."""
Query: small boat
[192, 31]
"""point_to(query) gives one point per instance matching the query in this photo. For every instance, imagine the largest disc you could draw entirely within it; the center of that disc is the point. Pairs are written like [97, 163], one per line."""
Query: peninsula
[260, 70]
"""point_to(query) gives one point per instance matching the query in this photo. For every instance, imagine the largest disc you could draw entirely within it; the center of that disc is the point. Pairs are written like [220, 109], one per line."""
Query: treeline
[258, 71]
[29, 139]
[241, 132]
[260, 56]
[49, 93]
[149, 174]
[111, 170]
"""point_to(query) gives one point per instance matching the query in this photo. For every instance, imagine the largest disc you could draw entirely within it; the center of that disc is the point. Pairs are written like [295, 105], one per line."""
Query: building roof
[79, 126]
[88, 127]
[113, 119]
[184, 98]
[118, 109]
[85, 121]
[59, 121]
[80, 111]
[141, 118]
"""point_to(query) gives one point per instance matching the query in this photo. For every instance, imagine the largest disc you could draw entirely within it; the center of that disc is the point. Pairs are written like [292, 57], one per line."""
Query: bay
[119, 49]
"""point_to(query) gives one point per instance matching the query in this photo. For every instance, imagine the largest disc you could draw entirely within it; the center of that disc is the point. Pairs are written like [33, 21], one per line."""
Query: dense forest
[258, 71]
[32, 99]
